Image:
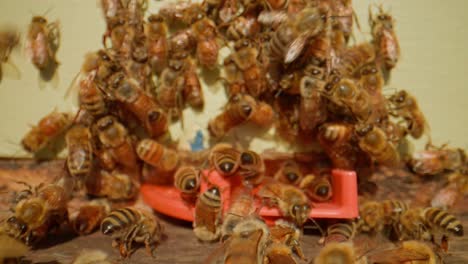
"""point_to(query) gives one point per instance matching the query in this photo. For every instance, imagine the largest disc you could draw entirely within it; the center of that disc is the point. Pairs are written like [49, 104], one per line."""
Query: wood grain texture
[179, 244]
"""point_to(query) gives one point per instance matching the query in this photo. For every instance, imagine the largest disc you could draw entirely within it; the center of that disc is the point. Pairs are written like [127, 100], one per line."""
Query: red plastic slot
[344, 203]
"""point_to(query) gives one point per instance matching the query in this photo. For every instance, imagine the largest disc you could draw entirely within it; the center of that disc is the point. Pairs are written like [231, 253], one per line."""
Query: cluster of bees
[292, 66]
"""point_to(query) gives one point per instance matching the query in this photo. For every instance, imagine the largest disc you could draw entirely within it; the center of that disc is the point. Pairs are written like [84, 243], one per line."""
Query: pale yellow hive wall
[433, 36]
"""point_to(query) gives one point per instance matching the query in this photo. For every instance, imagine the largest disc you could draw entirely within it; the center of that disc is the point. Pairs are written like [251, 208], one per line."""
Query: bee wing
[397, 255]
[295, 48]
[272, 17]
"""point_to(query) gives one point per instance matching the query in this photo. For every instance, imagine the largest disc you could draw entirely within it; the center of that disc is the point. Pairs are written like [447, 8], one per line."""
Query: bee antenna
[318, 226]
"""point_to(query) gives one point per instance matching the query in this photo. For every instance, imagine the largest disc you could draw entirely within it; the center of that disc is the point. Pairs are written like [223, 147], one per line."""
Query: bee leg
[444, 243]
[149, 244]
[128, 239]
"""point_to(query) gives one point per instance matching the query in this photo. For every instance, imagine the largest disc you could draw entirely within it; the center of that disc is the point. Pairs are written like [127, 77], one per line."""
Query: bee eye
[292, 176]
[190, 184]
[214, 191]
[306, 207]
[247, 158]
[322, 191]
[328, 87]
[315, 72]
[296, 209]
[247, 109]
[373, 70]
[153, 116]
[105, 124]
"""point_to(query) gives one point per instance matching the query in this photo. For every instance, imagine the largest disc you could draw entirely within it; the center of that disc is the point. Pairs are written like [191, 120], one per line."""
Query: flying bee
[435, 161]
[312, 109]
[384, 38]
[251, 168]
[224, 159]
[158, 45]
[208, 213]
[284, 240]
[424, 223]
[318, 189]
[48, 128]
[34, 217]
[115, 139]
[241, 207]
[43, 40]
[336, 141]
[90, 216]
[239, 109]
[116, 185]
[289, 173]
[9, 39]
[373, 141]
[192, 91]
[207, 50]
[291, 201]
[353, 58]
[80, 152]
[157, 155]
[406, 107]
[291, 37]
[341, 232]
[187, 181]
[128, 225]
[247, 242]
[141, 105]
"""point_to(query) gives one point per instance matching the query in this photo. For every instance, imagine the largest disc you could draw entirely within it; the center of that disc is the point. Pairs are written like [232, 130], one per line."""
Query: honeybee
[43, 41]
[251, 168]
[205, 31]
[12, 249]
[111, 9]
[312, 109]
[348, 95]
[170, 90]
[373, 141]
[292, 34]
[116, 141]
[181, 12]
[289, 173]
[406, 106]
[192, 91]
[371, 80]
[90, 216]
[247, 242]
[208, 213]
[225, 159]
[158, 46]
[353, 58]
[35, 215]
[9, 39]
[336, 141]
[318, 189]
[80, 152]
[136, 11]
[246, 60]
[412, 251]
[239, 109]
[48, 129]
[424, 223]
[435, 161]
[344, 252]
[284, 240]
[241, 207]
[245, 26]
[115, 185]
[384, 38]
[181, 44]
[157, 155]
[187, 181]
[290, 200]
[91, 98]
[128, 225]
[141, 104]
[341, 232]
[343, 10]
[374, 216]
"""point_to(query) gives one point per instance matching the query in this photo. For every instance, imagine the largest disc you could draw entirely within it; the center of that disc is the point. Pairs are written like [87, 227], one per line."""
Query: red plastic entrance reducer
[344, 202]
